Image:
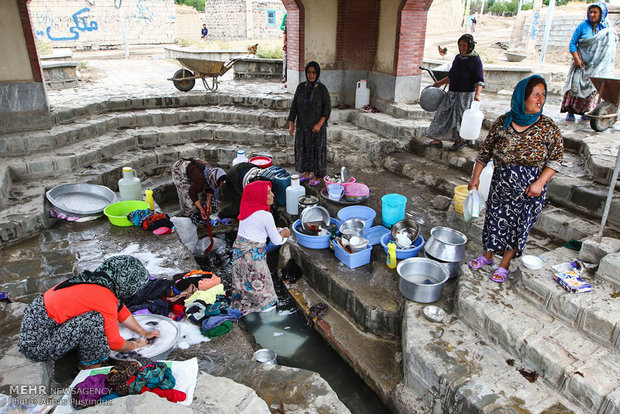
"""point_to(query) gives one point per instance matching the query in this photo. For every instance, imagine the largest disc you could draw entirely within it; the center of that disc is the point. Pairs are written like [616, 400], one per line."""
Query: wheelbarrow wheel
[184, 85]
[603, 108]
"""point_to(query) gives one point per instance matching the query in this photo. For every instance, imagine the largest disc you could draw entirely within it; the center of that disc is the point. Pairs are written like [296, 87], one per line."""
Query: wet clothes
[153, 375]
[118, 376]
[310, 103]
[218, 330]
[88, 392]
[154, 289]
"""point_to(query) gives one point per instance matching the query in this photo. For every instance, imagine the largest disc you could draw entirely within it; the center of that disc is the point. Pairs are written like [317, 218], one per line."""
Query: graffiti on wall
[144, 14]
[80, 23]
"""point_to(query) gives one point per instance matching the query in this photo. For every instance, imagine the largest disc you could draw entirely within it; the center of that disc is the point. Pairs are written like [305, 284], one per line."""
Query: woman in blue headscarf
[311, 108]
[527, 148]
[593, 48]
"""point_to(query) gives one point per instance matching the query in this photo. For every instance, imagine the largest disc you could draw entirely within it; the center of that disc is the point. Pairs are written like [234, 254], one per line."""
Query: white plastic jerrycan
[293, 192]
[472, 122]
[240, 157]
[485, 180]
[362, 94]
[130, 186]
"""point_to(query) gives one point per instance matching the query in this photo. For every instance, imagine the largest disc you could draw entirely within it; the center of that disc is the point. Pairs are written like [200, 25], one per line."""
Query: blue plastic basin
[361, 212]
[403, 253]
[313, 242]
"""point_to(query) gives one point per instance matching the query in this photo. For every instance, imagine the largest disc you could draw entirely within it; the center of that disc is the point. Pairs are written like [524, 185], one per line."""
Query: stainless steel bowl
[81, 199]
[315, 217]
[407, 226]
[352, 227]
[453, 267]
[421, 280]
[359, 246]
[446, 244]
[266, 356]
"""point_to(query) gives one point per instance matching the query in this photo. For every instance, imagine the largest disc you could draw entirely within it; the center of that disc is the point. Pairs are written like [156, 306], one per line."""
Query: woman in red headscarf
[252, 286]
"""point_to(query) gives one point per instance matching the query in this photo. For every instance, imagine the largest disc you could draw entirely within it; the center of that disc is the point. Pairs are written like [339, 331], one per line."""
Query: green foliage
[267, 52]
[183, 42]
[83, 66]
[197, 4]
[44, 48]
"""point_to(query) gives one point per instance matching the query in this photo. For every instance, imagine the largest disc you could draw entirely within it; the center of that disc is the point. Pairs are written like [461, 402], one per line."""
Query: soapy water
[168, 334]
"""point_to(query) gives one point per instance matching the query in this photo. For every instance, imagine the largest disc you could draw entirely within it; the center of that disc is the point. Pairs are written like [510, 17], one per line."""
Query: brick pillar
[24, 15]
[410, 37]
[295, 41]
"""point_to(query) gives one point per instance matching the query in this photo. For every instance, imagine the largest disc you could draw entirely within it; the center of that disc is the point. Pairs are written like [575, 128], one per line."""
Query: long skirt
[252, 286]
[450, 114]
[41, 338]
[311, 151]
[511, 214]
[576, 105]
[182, 183]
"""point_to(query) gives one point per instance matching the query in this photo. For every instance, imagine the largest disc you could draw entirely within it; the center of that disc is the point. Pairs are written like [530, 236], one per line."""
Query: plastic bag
[186, 230]
[471, 206]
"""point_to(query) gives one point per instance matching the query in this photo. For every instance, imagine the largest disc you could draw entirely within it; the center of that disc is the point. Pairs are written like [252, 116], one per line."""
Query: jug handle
[359, 84]
[134, 173]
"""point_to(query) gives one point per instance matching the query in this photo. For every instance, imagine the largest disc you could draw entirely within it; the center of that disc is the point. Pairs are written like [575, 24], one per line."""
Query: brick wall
[410, 41]
[92, 25]
[295, 34]
[33, 56]
[357, 34]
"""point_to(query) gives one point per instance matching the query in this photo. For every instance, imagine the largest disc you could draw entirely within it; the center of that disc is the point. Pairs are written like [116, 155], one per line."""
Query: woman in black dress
[311, 108]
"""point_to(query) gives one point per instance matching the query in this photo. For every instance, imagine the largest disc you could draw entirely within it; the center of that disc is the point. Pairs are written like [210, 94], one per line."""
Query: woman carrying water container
[252, 286]
[466, 81]
[311, 108]
[527, 149]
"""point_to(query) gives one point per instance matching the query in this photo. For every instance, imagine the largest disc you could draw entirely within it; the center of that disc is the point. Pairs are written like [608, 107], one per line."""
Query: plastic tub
[374, 234]
[460, 194]
[117, 212]
[393, 209]
[352, 260]
[335, 191]
[262, 162]
[313, 242]
[328, 182]
[403, 253]
[361, 212]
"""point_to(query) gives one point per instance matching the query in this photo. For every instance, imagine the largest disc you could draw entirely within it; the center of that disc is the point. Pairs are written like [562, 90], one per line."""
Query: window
[271, 17]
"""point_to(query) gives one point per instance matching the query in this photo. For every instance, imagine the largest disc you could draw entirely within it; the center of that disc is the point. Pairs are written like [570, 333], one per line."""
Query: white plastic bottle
[472, 122]
[130, 186]
[485, 180]
[362, 94]
[240, 157]
[293, 192]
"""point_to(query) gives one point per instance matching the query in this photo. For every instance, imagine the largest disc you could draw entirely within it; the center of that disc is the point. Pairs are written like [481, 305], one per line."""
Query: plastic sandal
[435, 144]
[314, 181]
[570, 118]
[480, 261]
[458, 145]
[500, 275]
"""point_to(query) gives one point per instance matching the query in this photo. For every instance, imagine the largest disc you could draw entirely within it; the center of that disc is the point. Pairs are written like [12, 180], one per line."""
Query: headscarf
[311, 86]
[123, 275]
[469, 39]
[602, 23]
[517, 105]
[212, 176]
[254, 198]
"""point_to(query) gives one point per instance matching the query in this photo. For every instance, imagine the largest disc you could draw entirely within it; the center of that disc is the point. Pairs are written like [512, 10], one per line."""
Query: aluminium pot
[446, 244]
[453, 267]
[431, 97]
[421, 279]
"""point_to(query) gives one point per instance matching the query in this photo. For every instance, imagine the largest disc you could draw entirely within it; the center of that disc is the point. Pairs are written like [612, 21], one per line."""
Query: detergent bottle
[390, 259]
[129, 186]
[148, 197]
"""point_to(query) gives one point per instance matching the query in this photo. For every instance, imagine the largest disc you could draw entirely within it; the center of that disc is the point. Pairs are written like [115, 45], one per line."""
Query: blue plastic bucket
[393, 209]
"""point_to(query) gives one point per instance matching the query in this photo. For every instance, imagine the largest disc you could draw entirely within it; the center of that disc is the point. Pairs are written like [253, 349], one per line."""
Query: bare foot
[81, 367]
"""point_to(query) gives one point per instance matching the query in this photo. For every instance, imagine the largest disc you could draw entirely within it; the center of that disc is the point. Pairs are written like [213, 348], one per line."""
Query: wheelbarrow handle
[430, 72]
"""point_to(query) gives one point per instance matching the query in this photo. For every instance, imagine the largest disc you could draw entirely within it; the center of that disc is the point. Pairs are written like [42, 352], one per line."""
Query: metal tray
[83, 199]
[343, 201]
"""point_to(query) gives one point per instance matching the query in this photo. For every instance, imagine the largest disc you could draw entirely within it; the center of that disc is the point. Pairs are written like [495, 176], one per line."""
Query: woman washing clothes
[527, 148]
[311, 108]
[466, 81]
[83, 312]
[198, 188]
[252, 285]
[593, 49]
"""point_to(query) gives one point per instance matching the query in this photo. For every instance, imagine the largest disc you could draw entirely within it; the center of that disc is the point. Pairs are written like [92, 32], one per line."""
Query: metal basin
[453, 267]
[266, 356]
[162, 346]
[81, 199]
[446, 244]
[421, 280]
[409, 228]
[352, 227]
[314, 218]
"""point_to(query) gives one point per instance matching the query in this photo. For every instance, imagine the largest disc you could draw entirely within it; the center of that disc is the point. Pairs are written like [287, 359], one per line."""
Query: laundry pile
[154, 221]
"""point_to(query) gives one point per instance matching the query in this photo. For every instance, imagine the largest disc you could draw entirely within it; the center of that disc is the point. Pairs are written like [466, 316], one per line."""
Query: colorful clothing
[310, 103]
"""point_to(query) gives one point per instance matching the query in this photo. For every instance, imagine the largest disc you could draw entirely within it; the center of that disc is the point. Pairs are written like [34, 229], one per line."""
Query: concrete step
[403, 130]
[594, 313]
[598, 152]
[368, 294]
[456, 370]
[582, 369]
[58, 137]
[375, 360]
[63, 115]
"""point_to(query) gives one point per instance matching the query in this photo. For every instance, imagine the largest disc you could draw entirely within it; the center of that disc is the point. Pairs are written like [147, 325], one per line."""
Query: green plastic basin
[117, 212]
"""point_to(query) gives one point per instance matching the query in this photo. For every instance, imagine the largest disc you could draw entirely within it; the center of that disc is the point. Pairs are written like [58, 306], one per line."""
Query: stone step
[375, 360]
[59, 137]
[583, 370]
[368, 294]
[599, 153]
[403, 130]
[454, 369]
[594, 313]
[67, 114]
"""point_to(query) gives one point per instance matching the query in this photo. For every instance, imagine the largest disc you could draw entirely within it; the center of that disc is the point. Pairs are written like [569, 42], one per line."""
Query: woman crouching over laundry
[83, 312]
[252, 286]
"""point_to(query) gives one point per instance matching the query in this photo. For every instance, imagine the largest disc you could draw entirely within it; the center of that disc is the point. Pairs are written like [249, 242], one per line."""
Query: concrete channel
[472, 362]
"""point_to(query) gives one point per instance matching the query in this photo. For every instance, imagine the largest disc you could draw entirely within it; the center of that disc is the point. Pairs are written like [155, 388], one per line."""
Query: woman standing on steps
[466, 81]
[593, 49]
[527, 148]
[311, 108]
